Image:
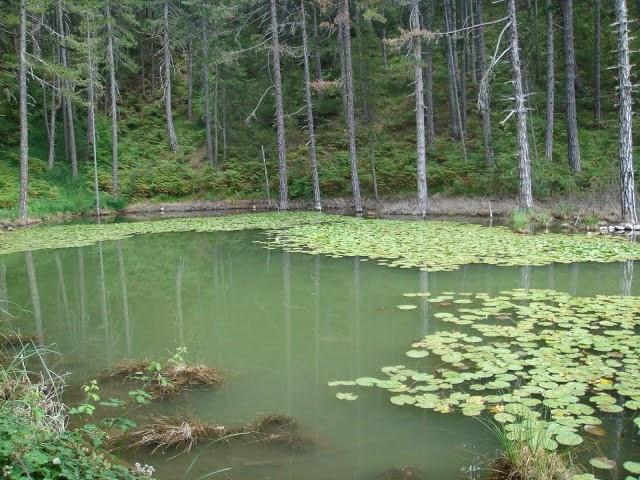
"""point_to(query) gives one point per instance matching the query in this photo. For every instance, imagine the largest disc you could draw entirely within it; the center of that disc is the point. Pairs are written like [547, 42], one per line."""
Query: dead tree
[551, 88]
[283, 204]
[347, 77]
[310, 126]
[207, 93]
[485, 110]
[92, 116]
[524, 160]
[115, 186]
[69, 127]
[24, 128]
[597, 98]
[166, 50]
[430, 131]
[414, 25]
[625, 86]
[570, 85]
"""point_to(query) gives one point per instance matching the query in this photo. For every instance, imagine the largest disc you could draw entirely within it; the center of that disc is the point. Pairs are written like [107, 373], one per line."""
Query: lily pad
[603, 463]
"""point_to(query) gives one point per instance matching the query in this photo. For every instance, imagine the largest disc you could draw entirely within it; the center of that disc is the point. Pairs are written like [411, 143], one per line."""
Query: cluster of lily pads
[536, 361]
[429, 245]
[444, 245]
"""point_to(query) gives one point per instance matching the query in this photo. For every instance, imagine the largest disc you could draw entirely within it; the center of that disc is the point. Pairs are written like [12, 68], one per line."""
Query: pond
[283, 325]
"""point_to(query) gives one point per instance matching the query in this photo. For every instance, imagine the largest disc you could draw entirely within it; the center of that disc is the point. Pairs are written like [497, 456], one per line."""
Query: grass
[525, 455]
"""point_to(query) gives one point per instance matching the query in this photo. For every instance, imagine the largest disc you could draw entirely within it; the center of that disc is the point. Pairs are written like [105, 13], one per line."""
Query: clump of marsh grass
[15, 339]
[184, 432]
[173, 377]
[528, 453]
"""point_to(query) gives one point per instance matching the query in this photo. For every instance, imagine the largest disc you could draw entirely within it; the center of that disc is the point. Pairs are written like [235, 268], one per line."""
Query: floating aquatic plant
[431, 245]
[523, 353]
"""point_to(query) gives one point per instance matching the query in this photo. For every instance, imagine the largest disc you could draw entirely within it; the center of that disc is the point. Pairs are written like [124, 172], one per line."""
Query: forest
[319, 239]
[163, 101]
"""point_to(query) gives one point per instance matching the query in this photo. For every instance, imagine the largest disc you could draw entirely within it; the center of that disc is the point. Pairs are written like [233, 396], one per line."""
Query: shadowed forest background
[221, 73]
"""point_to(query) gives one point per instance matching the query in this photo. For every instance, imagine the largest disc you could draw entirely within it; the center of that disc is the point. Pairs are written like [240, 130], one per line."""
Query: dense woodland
[104, 102]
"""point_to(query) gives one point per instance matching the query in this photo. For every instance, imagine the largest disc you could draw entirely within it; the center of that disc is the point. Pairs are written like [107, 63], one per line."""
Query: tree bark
[414, 24]
[207, 93]
[310, 126]
[92, 118]
[625, 86]
[551, 88]
[190, 79]
[570, 80]
[597, 98]
[347, 77]
[454, 106]
[24, 128]
[430, 130]
[67, 104]
[524, 160]
[485, 109]
[316, 45]
[115, 185]
[216, 121]
[283, 204]
[171, 132]
[52, 124]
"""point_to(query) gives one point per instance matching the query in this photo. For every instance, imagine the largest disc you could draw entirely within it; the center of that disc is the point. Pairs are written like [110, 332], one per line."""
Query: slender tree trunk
[190, 79]
[454, 99]
[69, 124]
[171, 132]
[224, 121]
[115, 186]
[385, 55]
[625, 86]
[153, 69]
[142, 68]
[347, 78]
[125, 297]
[24, 128]
[216, 122]
[485, 109]
[307, 93]
[414, 24]
[207, 94]
[92, 119]
[283, 204]
[524, 160]
[597, 99]
[570, 74]
[363, 74]
[551, 88]
[430, 129]
[316, 45]
[52, 124]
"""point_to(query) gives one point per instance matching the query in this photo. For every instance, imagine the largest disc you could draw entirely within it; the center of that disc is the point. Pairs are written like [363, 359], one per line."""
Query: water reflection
[282, 325]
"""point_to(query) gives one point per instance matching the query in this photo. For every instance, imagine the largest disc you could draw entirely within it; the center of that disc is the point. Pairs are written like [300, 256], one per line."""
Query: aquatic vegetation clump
[173, 377]
[521, 352]
[444, 245]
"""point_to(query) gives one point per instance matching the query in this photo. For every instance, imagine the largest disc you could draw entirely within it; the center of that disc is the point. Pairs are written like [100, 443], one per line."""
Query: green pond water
[282, 325]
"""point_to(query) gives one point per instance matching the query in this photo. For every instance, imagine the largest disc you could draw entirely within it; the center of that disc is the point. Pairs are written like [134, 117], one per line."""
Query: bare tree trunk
[454, 125]
[171, 132]
[283, 204]
[312, 135]
[24, 128]
[430, 129]
[190, 79]
[625, 86]
[92, 119]
[597, 99]
[347, 78]
[115, 186]
[207, 93]
[524, 160]
[224, 121]
[385, 55]
[414, 24]
[551, 88]
[216, 122]
[570, 73]
[142, 73]
[52, 124]
[363, 74]
[153, 69]
[69, 125]
[316, 44]
[485, 108]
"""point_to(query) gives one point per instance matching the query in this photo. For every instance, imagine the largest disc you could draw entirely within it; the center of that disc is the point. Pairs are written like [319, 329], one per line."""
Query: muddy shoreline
[568, 211]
